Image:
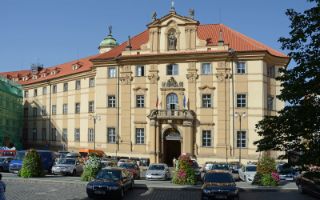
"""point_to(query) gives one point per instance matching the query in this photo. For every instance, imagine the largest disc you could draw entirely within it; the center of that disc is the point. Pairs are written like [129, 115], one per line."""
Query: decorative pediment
[172, 17]
[172, 83]
[206, 87]
[140, 88]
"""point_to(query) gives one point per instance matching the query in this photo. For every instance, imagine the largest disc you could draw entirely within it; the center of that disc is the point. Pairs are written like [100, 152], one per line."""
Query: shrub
[266, 165]
[268, 180]
[266, 172]
[31, 166]
[91, 168]
[257, 179]
[184, 174]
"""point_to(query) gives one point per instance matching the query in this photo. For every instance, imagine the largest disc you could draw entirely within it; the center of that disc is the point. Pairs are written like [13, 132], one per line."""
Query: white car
[66, 166]
[158, 172]
[247, 173]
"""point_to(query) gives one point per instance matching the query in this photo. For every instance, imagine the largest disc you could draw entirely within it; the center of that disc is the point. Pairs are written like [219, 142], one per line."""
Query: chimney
[220, 41]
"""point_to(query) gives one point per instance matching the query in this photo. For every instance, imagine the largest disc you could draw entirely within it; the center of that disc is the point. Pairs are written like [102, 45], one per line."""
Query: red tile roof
[209, 33]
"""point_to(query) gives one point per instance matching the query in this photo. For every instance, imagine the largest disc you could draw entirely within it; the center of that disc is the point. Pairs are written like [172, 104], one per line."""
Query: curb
[32, 180]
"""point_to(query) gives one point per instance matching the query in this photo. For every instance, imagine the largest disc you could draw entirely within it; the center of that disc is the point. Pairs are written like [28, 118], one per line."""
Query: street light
[240, 115]
[94, 117]
[232, 56]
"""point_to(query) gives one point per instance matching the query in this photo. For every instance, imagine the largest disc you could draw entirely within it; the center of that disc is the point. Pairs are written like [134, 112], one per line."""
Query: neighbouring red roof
[209, 33]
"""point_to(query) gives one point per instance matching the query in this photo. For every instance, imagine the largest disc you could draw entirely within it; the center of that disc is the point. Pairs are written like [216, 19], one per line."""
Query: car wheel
[300, 189]
[74, 173]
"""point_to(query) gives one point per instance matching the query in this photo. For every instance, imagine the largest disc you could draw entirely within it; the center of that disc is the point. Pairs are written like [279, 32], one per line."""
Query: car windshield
[67, 161]
[20, 155]
[285, 169]
[127, 166]
[2, 160]
[218, 178]
[156, 167]
[251, 168]
[219, 166]
[109, 174]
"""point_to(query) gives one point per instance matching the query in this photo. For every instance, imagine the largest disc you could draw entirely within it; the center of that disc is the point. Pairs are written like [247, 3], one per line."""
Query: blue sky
[58, 31]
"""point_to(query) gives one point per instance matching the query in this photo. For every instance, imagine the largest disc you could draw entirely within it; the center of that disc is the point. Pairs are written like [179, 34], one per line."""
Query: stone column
[187, 146]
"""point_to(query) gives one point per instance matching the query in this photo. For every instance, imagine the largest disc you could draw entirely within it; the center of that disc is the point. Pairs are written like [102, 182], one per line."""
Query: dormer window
[25, 78]
[53, 72]
[75, 66]
[43, 75]
[34, 77]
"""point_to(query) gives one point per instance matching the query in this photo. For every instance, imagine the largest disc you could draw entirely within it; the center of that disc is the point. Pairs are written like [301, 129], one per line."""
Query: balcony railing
[172, 114]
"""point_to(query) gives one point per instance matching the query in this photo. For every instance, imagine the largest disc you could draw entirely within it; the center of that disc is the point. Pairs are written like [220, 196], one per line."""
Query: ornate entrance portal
[171, 146]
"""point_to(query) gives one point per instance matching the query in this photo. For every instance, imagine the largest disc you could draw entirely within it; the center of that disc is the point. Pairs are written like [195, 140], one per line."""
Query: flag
[188, 104]
[157, 102]
[184, 102]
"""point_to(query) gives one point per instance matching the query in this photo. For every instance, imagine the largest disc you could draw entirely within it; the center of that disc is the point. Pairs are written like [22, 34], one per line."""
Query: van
[85, 152]
[47, 160]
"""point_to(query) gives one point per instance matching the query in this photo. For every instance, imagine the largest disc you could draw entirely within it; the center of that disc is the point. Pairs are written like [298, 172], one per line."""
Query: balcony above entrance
[171, 115]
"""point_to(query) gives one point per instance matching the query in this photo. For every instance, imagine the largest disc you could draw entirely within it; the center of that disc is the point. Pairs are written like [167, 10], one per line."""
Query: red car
[132, 168]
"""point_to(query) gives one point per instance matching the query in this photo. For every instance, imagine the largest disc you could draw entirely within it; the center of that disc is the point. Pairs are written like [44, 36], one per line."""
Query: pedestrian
[174, 162]
[2, 189]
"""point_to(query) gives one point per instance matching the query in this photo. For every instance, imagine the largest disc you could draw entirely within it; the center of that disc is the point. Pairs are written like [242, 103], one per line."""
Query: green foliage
[266, 165]
[295, 129]
[257, 179]
[91, 168]
[184, 174]
[31, 166]
[268, 180]
[266, 172]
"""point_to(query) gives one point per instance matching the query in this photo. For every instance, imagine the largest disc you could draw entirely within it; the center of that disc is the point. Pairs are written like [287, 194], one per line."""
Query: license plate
[219, 196]
[99, 192]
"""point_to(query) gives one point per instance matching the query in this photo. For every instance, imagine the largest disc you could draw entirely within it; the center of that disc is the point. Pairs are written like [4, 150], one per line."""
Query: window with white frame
[241, 100]
[111, 135]
[206, 101]
[91, 82]
[139, 135]
[78, 85]
[139, 70]
[65, 135]
[65, 87]
[172, 69]
[90, 135]
[53, 134]
[91, 106]
[112, 72]
[54, 109]
[270, 102]
[77, 108]
[271, 71]
[77, 134]
[65, 109]
[241, 139]
[44, 90]
[241, 67]
[111, 101]
[206, 68]
[54, 89]
[206, 138]
[140, 101]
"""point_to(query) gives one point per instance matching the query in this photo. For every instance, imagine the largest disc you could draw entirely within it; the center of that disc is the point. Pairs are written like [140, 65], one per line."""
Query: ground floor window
[241, 139]
[139, 135]
[90, 135]
[77, 135]
[206, 138]
[111, 135]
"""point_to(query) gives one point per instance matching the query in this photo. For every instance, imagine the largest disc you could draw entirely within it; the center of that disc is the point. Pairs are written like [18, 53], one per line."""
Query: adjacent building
[177, 87]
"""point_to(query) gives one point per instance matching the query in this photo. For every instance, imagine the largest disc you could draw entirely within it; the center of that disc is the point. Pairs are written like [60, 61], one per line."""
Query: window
[65, 135]
[140, 70]
[241, 100]
[139, 135]
[241, 139]
[43, 111]
[26, 94]
[112, 73]
[91, 106]
[140, 101]
[172, 69]
[44, 134]
[206, 68]
[78, 85]
[77, 135]
[90, 135]
[77, 108]
[206, 138]
[241, 67]
[91, 82]
[111, 135]
[111, 101]
[34, 112]
[65, 87]
[271, 71]
[206, 101]
[54, 109]
[34, 134]
[270, 104]
[35, 92]
[54, 89]
[172, 101]
[65, 109]
[44, 90]
[53, 134]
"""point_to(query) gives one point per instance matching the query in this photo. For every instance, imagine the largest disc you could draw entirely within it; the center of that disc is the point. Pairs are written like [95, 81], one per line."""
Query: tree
[296, 128]
[31, 166]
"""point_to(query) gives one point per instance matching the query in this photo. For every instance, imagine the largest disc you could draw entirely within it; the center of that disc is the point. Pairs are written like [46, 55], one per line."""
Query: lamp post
[94, 117]
[240, 115]
[232, 55]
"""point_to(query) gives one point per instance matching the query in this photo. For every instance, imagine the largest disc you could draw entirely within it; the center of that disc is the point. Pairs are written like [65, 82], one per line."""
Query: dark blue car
[4, 163]
[47, 159]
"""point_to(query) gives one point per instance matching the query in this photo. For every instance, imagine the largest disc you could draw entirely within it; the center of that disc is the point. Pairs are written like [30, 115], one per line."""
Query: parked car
[196, 169]
[132, 168]
[47, 160]
[108, 163]
[247, 173]
[158, 172]
[69, 166]
[286, 172]
[110, 183]
[219, 184]
[213, 166]
[123, 160]
[309, 182]
[4, 163]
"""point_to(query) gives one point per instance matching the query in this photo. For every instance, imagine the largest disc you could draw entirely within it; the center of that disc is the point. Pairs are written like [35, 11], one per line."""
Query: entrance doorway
[171, 146]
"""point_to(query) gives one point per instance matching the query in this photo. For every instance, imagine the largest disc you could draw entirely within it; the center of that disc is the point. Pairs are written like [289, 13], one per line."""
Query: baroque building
[177, 87]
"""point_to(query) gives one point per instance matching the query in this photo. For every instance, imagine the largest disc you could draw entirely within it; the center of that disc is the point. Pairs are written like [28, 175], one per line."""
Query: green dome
[108, 41]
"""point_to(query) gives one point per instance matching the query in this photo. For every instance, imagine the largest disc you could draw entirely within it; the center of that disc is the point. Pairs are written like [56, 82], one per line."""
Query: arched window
[172, 101]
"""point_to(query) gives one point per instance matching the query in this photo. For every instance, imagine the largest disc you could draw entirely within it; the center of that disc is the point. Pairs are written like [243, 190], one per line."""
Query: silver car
[158, 172]
[66, 166]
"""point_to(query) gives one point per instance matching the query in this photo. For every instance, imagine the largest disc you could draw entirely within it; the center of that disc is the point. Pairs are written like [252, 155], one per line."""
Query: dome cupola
[108, 42]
